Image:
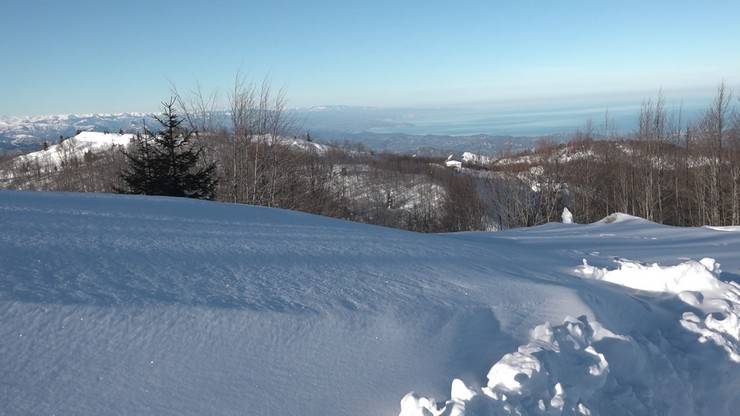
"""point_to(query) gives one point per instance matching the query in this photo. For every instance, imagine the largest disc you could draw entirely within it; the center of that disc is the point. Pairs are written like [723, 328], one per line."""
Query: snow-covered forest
[670, 170]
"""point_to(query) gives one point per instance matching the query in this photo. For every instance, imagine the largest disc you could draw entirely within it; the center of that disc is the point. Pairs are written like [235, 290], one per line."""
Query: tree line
[256, 161]
[668, 170]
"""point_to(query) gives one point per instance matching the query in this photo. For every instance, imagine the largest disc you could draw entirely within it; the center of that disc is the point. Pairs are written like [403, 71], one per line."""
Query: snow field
[146, 305]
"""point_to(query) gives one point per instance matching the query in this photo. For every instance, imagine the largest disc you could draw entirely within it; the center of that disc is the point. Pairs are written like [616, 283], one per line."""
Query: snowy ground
[140, 305]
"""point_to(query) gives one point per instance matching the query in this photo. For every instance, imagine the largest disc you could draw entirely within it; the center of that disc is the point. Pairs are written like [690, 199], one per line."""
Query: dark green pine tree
[166, 162]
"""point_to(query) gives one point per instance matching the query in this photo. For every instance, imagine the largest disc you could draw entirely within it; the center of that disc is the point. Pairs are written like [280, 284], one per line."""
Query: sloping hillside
[145, 305]
[75, 147]
[93, 142]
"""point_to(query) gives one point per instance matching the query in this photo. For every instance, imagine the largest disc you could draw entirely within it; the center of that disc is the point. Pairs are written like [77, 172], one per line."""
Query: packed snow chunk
[690, 275]
[558, 372]
[460, 391]
[413, 405]
[514, 372]
[567, 216]
[460, 395]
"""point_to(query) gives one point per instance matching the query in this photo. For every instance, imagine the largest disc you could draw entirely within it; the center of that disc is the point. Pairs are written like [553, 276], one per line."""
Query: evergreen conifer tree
[167, 163]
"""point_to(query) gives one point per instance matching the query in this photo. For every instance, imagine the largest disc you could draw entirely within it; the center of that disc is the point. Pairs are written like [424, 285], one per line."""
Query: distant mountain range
[378, 129]
[481, 129]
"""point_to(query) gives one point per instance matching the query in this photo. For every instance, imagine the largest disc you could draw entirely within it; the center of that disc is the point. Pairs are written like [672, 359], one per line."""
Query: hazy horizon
[514, 117]
[505, 118]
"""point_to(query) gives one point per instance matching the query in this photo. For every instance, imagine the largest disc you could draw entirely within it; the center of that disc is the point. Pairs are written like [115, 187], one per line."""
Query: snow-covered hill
[96, 142]
[75, 147]
[144, 305]
[28, 133]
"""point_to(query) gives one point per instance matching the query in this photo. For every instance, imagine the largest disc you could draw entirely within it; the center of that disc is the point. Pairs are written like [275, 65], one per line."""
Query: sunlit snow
[151, 305]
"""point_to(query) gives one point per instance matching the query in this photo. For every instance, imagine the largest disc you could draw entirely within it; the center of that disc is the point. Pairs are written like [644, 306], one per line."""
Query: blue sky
[105, 56]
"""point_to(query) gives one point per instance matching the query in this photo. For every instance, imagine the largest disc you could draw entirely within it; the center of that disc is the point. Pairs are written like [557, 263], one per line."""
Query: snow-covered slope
[300, 144]
[95, 142]
[563, 154]
[141, 305]
[75, 147]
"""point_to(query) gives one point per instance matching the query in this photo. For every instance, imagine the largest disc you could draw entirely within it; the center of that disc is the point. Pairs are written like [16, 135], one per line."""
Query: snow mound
[567, 216]
[697, 284]
[734, 228]
[618, 217]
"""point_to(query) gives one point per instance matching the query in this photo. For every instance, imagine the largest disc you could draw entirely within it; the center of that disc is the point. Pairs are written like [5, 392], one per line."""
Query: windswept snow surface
[140, 305]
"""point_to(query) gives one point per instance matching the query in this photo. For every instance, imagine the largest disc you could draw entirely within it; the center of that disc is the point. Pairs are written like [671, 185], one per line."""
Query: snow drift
[691, 275]
[696, 283]
[146, 305]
